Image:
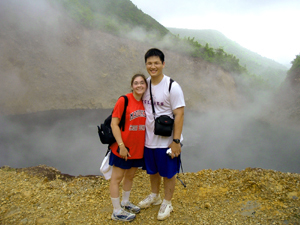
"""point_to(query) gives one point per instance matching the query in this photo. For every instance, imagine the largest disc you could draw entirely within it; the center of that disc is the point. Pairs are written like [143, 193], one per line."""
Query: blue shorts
[157, 161]
[121, 163]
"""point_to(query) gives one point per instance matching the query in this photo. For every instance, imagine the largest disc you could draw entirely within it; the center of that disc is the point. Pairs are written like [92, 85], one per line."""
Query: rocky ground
[43, 195]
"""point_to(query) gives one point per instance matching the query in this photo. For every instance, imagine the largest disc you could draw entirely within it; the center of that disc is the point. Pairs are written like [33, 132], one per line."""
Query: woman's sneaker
[164, 211]
[131, 208]
[123, 216]
[149, 200]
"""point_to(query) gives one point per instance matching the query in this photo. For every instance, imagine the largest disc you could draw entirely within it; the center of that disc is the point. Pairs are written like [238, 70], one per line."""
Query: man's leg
[166, 206]
[154, 197]
[155, 181]
[169, 186]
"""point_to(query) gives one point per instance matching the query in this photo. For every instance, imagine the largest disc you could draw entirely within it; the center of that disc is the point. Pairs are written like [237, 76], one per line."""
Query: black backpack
[104, 130]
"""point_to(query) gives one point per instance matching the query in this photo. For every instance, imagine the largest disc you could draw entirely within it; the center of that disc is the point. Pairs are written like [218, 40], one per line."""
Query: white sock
[166, 202]
[116, 205]
[125, 197]
[153, 195]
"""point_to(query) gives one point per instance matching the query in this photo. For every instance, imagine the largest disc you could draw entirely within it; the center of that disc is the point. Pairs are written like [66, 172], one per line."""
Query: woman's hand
[124, 152]
[117, 134]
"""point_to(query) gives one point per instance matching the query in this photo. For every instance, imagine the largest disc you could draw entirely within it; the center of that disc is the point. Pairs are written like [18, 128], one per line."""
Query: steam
[239, 139]
[234, 139]
[66, 140]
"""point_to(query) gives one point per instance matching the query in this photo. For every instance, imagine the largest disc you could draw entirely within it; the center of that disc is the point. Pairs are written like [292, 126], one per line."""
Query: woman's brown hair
[139, 75]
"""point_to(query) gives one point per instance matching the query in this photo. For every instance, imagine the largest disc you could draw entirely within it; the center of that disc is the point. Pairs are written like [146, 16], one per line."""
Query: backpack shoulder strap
[122, 122]
[170, 85]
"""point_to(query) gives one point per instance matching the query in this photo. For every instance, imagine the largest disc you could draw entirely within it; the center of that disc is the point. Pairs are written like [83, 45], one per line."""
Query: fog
[237, 141]
[68, 141]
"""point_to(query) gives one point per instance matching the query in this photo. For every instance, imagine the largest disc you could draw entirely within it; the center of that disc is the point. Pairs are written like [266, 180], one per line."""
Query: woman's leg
[127, 185]
[128, 178]
[116, 178]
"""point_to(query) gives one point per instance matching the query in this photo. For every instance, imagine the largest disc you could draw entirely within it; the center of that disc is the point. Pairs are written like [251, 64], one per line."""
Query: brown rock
[207, 199]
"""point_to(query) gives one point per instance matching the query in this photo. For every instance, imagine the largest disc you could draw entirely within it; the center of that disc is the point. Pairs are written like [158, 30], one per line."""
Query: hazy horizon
[265, 27]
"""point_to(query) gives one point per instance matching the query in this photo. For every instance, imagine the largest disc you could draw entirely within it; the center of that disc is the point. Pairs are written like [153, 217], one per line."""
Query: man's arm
[177, 130]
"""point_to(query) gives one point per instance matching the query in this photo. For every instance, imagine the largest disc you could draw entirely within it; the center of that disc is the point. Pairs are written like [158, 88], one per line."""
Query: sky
[267, 27]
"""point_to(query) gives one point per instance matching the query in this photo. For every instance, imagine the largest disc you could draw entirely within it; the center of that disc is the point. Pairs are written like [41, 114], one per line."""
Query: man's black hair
[155, 52]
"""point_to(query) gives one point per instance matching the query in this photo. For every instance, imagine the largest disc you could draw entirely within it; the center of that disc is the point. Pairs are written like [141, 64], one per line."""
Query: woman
[127, 152]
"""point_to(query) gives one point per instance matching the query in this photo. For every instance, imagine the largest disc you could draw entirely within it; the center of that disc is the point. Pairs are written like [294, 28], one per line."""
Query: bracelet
[121, 144]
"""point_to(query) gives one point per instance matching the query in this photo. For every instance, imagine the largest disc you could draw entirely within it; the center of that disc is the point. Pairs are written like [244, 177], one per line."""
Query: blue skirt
[121, 163]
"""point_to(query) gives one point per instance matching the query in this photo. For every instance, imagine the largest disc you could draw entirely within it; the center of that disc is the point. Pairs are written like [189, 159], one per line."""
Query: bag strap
[170, 85]
[122, 122]
[153, 110]
[183, 183]
[107, 151]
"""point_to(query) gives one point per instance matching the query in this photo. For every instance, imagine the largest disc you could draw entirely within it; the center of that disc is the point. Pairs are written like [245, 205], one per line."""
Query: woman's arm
[117, 134]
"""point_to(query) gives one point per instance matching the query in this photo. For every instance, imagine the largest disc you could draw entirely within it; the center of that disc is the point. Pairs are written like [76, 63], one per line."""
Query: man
[157, 162]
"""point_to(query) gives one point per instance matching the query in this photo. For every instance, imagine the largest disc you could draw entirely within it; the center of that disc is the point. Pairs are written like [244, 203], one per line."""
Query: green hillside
[113, 16]
[295, 64]
[121, 17]
[256, 64]
[293, 75]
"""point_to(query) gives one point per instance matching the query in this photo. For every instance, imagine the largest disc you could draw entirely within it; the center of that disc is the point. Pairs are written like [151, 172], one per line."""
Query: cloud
[266, 27]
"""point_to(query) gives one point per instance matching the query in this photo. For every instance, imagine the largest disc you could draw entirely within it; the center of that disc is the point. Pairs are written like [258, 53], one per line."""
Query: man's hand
[176, 149]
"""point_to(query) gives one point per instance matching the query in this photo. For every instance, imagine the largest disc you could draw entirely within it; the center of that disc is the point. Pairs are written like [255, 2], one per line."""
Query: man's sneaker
[164, 211]
[123, 216]
[131, 207]
[149, 200]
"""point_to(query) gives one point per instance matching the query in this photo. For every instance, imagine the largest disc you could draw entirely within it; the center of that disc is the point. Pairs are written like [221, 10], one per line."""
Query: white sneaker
[164, 211]
[149, 200]
[131, 208]
[123, 216]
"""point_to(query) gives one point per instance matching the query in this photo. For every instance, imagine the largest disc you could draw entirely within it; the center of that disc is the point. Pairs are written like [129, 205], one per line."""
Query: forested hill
[267, 68]
[287, 98]
[124, 19]
[50, 61]
[113, 16]
[68, 54]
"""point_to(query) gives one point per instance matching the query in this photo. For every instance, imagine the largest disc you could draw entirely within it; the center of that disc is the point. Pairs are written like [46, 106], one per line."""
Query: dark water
[68, 141]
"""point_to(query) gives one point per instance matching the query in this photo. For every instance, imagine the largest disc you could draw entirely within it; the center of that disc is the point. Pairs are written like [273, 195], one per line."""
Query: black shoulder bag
[104, 130]
[163, 124]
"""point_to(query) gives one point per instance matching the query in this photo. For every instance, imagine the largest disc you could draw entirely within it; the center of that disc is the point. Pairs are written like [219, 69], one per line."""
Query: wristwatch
[177, 141]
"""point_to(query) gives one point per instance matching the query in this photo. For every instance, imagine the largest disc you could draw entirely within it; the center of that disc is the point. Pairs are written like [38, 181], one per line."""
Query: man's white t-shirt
[164, 103]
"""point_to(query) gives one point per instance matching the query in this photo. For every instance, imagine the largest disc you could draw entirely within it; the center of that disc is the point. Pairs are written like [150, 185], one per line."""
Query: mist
[236, 140]
[233, 139]
[64, 139]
